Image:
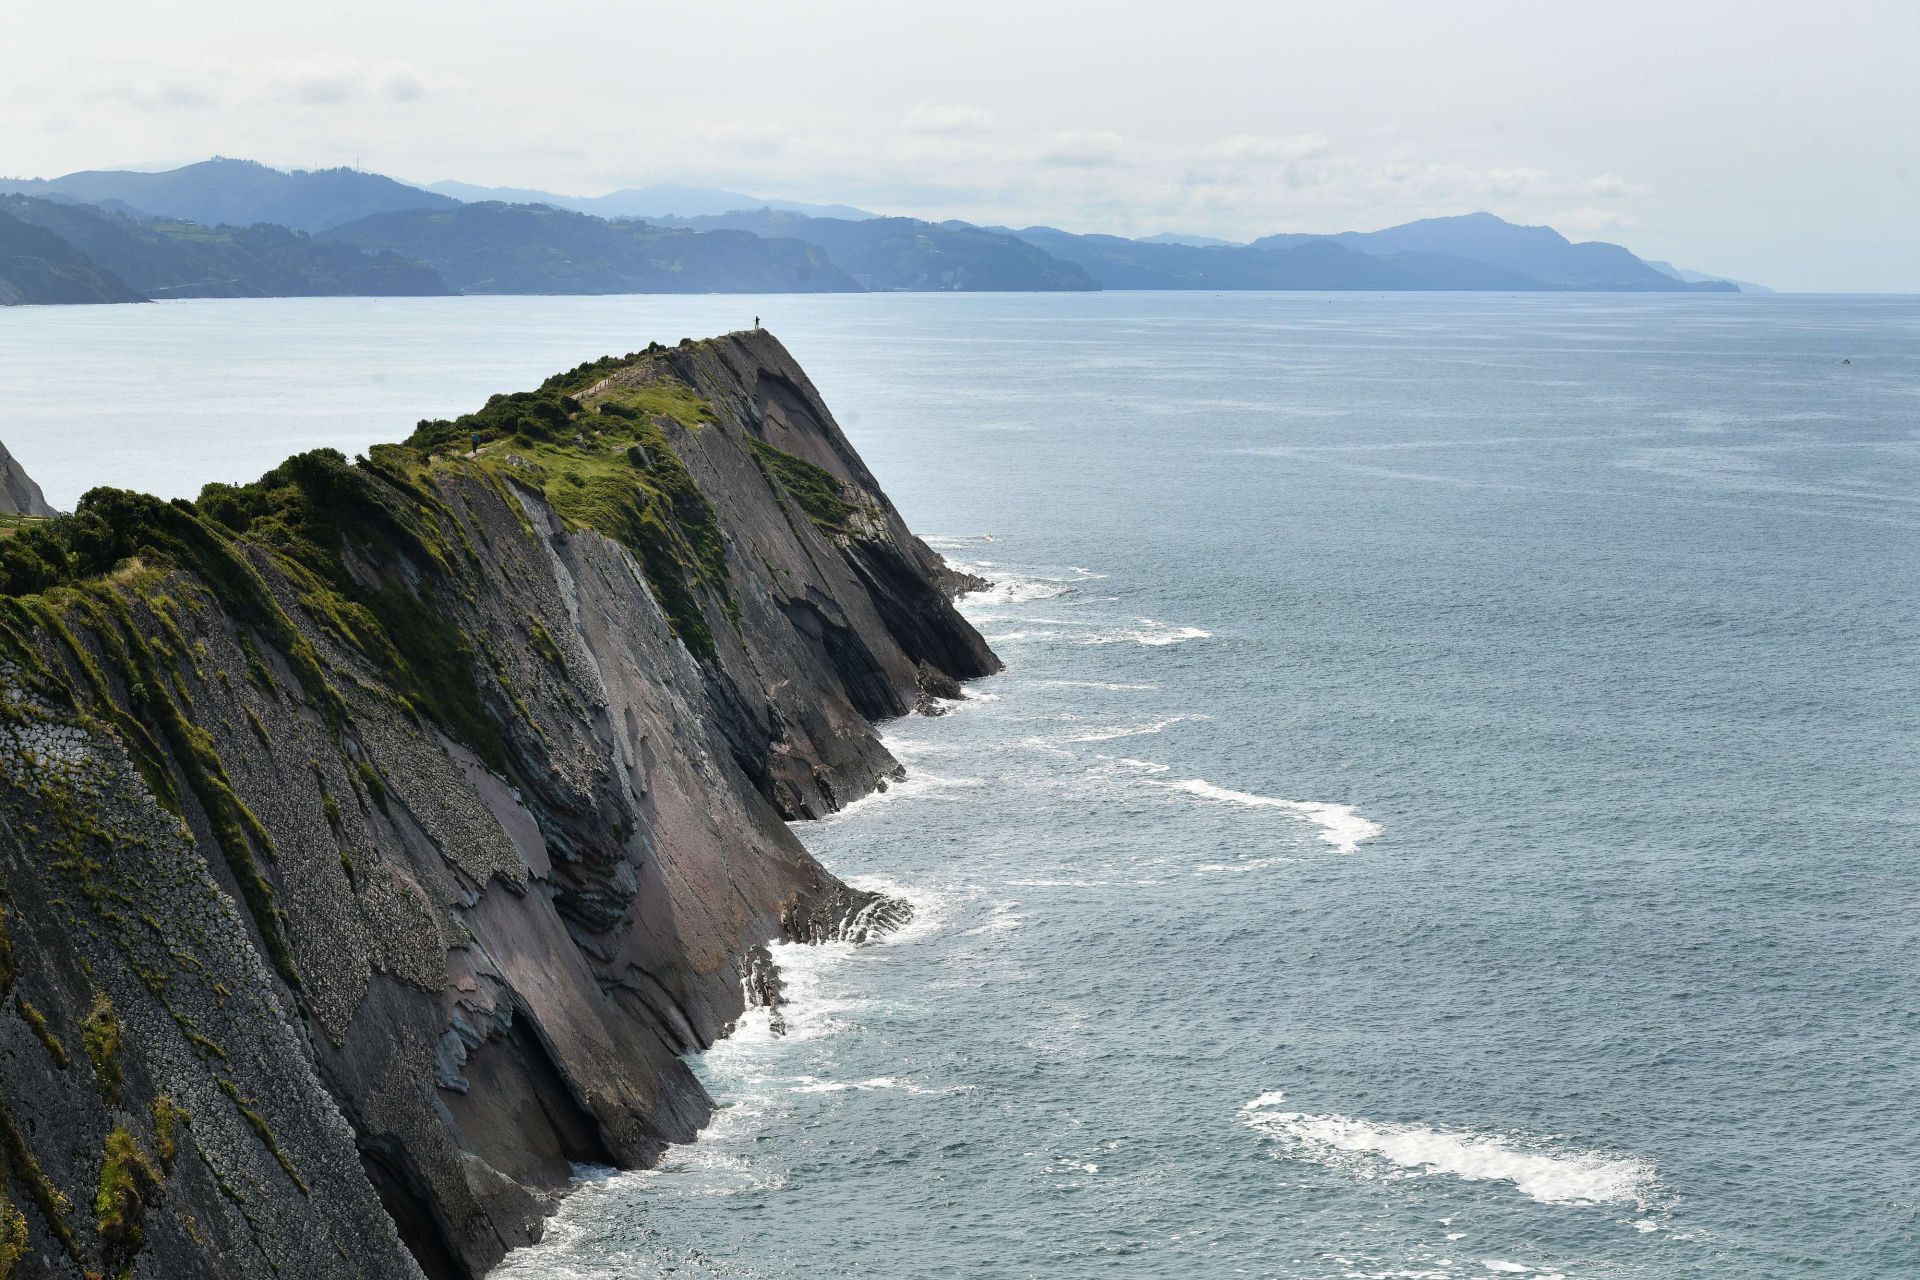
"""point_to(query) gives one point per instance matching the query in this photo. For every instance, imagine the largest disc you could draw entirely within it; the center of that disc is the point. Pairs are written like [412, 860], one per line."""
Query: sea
[1452, 808]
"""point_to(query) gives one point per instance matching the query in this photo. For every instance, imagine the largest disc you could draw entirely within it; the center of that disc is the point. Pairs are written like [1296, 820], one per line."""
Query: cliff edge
[377, 837]
[19, 495]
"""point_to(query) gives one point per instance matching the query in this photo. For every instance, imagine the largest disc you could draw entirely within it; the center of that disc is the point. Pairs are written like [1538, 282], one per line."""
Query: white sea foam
[1110, 732]
[967, 701]
[1340, 825]
[1112, 686]
[1014, 589]
[1006, 586]
[931, 907]
[812, 1084]
[1537, 1169]
[1240, 868]
[1058, 884]
[917, 782]
[1004, 919]
[1153, 634]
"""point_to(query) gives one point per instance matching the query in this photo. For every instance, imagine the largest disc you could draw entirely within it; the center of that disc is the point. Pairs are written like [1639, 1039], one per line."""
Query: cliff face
[19, 495]
[377, 837]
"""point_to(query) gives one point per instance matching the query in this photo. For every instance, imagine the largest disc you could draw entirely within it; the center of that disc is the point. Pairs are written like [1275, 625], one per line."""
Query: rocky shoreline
[377, 838]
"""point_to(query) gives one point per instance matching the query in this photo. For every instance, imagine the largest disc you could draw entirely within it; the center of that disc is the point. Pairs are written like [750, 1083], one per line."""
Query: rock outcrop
[378, 837]
[19, 495]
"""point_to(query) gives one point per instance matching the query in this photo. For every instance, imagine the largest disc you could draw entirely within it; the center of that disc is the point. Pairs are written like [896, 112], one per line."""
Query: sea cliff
[378, 837]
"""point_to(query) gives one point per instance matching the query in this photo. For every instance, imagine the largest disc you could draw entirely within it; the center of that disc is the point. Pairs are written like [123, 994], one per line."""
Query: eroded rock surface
[408, 821]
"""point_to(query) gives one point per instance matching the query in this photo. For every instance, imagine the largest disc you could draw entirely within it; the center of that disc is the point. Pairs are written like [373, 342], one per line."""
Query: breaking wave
[1340, 825]
[917, 782]
[1149, 632]
[1107, 733]
[1013, 589]
[1369, 1150]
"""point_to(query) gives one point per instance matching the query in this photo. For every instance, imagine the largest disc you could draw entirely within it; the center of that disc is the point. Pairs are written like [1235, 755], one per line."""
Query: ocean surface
[1451, 810]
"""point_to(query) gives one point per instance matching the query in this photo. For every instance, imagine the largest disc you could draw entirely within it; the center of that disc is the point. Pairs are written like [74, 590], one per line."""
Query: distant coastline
[228, 228]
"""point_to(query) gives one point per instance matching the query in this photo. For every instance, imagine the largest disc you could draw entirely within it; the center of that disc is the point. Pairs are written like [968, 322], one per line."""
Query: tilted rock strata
[408, 848]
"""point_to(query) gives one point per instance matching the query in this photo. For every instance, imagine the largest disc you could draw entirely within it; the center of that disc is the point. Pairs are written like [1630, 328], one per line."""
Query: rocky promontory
[377, 838]
[19, 495]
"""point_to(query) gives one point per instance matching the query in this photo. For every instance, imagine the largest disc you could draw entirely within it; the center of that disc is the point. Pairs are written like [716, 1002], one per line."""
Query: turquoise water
[1450, 810]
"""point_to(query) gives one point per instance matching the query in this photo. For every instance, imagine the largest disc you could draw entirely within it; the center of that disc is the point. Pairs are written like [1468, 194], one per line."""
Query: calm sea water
[1451, 809]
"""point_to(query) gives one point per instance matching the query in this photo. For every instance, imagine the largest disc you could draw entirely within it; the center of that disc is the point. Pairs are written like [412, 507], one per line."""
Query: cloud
[171, 94]
[947, 118]
[338, 79]
[1080, 149]
[324, 80]
[398, 82]
[1608, 184]
[1252, 146]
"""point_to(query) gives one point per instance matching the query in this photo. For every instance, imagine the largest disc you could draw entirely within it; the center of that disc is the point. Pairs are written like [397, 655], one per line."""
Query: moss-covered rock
[100, 1036]
[129, 1185]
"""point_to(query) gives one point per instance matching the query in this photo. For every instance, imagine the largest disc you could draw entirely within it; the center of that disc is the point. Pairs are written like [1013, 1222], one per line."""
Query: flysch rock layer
[303, 981]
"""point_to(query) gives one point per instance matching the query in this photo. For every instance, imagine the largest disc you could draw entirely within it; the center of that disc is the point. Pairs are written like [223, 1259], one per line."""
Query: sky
[1765, 140]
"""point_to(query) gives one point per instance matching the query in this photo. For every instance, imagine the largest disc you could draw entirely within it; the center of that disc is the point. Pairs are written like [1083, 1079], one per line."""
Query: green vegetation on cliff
[316, 513]
[13, 1238]
[595, 442]
[814, 488]
[100, 1036]
[129, 1184]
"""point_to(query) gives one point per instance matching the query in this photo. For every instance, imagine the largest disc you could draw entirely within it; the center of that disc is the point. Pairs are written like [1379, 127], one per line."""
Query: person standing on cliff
[756, 322]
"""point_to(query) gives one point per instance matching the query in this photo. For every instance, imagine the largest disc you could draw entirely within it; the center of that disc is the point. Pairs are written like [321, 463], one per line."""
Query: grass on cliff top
[606, 463]
[372, 551]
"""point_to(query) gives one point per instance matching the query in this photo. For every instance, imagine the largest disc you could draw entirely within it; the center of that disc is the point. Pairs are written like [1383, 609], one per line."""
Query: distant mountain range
[234, 228]
[1539, 252]
[169, 258]
[1195, 242]
[237, 193]
[514, 248]
[1702, 277]
[1313, 264]
[659, 201]
[899, 254]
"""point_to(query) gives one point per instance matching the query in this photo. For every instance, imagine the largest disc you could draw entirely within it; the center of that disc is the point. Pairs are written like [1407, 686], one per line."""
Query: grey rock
[19, 495]
[412, 989]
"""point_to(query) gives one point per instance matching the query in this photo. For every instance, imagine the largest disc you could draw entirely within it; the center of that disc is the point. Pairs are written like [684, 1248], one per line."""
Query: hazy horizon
[1757, 141]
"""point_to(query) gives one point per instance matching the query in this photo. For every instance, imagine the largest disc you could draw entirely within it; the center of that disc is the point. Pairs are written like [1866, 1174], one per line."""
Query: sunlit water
[1451, 810]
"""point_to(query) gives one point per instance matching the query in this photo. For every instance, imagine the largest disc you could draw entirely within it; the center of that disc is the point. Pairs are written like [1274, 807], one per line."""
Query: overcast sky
[1768, 140]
